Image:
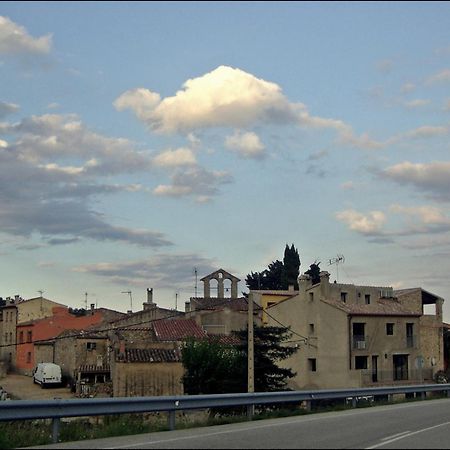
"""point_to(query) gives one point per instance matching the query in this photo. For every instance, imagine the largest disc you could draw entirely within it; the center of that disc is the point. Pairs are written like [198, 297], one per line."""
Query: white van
[47, 374]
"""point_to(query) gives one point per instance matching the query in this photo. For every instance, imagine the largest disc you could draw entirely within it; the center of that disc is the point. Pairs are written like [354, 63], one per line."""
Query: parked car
[47, 374]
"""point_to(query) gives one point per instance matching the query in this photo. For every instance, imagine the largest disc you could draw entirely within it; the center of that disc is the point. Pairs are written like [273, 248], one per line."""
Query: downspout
[349, 342]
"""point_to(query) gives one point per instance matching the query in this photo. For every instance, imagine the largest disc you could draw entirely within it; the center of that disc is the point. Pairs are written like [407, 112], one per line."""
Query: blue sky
[139, 141]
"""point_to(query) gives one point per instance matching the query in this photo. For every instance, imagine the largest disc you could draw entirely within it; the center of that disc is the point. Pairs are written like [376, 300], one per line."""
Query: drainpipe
[349, 342]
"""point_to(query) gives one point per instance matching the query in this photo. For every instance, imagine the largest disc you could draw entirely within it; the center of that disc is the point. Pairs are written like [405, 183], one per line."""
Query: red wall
[49, 328]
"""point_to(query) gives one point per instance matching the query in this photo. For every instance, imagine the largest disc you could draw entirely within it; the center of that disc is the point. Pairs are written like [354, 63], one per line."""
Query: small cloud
[348, 186]
[317, 155]
[385, 65]
[442, 76]
[407, 87]
[46, 264]
[369, 224]
[8, 108]
[175, 158]
[14, 39]
[53, 105]
[417, 103]
[248, 145]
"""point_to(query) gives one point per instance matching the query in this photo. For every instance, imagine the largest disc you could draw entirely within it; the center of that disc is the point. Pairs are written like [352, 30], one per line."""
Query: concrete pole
[251, 346]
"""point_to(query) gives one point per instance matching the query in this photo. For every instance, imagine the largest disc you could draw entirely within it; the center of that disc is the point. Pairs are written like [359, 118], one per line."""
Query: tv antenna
[40, 292]
[131, 299]
[195, 272]
[339, 259]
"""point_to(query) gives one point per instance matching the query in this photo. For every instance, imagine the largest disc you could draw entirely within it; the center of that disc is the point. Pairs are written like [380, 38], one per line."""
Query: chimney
[325, 283]
[304, 282]
[92, 308]
[149, 295]
[129, 312]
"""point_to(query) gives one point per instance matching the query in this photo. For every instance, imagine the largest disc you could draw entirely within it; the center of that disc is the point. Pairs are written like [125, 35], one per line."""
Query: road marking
[300, 419]
[395, 435]
[403, 436]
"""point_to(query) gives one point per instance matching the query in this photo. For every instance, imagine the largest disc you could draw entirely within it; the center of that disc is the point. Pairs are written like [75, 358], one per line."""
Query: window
[390, 329]
[311, 328]
[28, 357]
[311, 296]
[367, 299]
[29, 336]
[312, 364]
[21, 337]
[344, 296]
[10, 338]
[360, 362]
[6, 337]
[91, 345]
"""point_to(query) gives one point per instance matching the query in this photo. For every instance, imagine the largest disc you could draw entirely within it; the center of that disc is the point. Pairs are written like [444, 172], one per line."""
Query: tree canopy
[279, 275]
[314, 272]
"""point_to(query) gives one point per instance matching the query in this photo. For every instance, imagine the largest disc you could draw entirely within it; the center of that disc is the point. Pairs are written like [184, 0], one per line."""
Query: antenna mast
[131, 299]
[337, 260]
[195, 271]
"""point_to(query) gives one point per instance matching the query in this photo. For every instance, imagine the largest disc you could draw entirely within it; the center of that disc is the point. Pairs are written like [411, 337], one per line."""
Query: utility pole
[251, 351]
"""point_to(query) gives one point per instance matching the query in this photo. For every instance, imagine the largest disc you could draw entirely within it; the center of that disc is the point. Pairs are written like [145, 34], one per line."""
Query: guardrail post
[171, 419]
[250, 412]
[55, 429]
[353, 402]
[423, 395]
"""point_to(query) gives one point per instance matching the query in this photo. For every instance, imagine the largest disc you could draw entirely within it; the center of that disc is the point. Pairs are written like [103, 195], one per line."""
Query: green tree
[291, 267]
[279, 274]
[210, 367]
[314, 272]
[269, 349]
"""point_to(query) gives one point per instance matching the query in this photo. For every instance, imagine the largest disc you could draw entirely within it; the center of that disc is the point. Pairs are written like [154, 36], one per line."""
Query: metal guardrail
[58, 408]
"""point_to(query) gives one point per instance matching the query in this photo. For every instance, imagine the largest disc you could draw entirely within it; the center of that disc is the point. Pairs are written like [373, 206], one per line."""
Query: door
[400, 367]
[374, 369]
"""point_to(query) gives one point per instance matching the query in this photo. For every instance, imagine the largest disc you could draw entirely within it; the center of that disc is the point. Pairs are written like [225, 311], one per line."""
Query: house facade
[354, 336]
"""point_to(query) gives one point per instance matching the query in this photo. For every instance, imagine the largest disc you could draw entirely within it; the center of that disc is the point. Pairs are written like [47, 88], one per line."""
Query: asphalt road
[411, 425]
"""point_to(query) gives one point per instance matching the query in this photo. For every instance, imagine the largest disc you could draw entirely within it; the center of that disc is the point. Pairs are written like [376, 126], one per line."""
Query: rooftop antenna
[131, 299]
[195, 271]
[40, 292]
[339, 259]
[176, 300]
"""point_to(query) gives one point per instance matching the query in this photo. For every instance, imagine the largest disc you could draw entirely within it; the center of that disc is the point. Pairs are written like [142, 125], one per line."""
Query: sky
[141, 142]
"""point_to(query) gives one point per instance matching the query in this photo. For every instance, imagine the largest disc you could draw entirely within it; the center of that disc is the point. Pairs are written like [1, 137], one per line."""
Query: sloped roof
[382, 307]
[150, 355]
[236, 304]
[177, 329]
[225, 275]
[93, 368]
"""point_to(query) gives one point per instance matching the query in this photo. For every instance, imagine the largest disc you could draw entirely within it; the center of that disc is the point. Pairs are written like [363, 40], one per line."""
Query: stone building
[352, 336]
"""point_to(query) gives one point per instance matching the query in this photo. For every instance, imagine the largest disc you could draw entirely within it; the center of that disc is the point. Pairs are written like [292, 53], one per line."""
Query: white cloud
[227, 97]
[194, 181]
[3, 144]
[428, 215]
[433, 177]
[14, 39]
[385, 65]
[417, 103]
[442, 76]
[426, 131]
[175, 158]
[370, 224]
[407, 87]
[246, 144]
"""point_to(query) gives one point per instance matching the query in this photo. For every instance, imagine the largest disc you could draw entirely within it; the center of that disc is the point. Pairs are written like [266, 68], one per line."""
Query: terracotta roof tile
[177, 329]
[150, 355]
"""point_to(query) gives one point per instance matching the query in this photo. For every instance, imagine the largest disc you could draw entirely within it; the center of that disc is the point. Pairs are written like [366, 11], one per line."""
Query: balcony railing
[413, 376]
[360, 342]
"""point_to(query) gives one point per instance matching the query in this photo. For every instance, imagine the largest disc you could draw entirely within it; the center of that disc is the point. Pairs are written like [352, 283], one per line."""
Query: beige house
[354, 336]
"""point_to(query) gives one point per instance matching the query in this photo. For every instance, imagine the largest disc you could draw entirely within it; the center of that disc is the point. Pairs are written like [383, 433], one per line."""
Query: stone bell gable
[220, 275]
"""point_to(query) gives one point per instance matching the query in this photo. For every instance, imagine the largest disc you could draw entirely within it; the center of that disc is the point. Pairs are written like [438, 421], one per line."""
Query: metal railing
[360, 342]
[368, 377]
[58, 408]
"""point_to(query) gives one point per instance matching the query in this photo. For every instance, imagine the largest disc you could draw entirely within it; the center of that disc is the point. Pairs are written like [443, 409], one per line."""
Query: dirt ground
[21, 387]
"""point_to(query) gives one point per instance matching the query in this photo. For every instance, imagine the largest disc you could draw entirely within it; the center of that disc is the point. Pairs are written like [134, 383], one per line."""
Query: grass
[39, 432]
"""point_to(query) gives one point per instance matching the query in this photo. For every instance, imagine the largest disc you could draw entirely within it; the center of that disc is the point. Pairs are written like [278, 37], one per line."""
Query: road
[409, 425]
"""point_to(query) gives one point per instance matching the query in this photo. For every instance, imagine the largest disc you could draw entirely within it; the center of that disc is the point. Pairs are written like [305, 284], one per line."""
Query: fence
[58, 408]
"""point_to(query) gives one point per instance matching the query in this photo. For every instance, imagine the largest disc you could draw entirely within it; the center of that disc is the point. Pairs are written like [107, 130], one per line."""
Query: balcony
[360, 342]
[390, 377]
